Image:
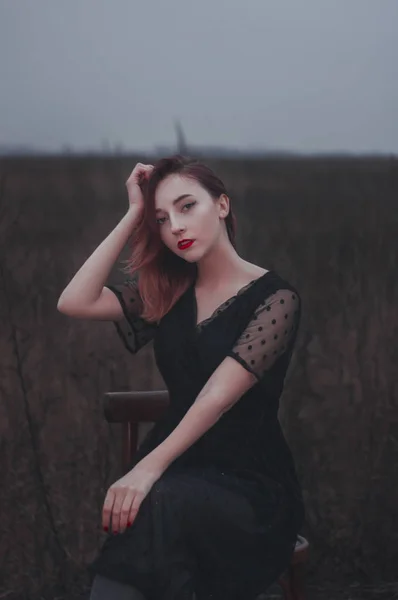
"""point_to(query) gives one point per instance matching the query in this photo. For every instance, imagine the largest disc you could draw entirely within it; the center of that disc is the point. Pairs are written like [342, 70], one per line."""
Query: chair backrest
[135, 407]
[129, 409]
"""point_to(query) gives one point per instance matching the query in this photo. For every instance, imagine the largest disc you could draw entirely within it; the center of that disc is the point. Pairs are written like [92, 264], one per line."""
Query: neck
[220, 265]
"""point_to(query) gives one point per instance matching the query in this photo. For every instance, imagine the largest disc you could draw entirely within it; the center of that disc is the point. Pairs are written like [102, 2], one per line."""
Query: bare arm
[85, 297]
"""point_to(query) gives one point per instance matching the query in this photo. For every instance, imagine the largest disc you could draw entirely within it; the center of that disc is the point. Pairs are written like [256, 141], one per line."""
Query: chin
[191, 258]
[190, 255]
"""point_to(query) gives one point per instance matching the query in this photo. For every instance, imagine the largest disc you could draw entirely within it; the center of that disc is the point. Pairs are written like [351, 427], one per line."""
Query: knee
[104, 588]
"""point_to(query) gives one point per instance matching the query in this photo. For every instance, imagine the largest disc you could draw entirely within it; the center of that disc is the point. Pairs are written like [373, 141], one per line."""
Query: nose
[176, 227]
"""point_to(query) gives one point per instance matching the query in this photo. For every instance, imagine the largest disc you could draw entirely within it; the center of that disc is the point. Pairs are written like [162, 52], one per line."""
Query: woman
[211, 506]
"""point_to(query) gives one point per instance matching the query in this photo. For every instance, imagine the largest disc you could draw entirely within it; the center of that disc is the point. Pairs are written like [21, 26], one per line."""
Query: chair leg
[292, 583]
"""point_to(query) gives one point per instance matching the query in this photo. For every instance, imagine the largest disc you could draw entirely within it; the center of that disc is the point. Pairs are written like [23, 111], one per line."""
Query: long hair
[164, 276]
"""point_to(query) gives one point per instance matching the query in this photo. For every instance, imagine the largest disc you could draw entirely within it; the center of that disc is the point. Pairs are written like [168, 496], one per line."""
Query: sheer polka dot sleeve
[134, 331]
[269, 333]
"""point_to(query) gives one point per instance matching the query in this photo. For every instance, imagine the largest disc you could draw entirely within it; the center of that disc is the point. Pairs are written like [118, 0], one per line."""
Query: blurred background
[295, 106]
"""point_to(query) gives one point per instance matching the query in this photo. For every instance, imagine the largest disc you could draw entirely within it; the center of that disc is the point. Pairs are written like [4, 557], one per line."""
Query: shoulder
[272, 281]
[282, 300]
[277, 293]
[275, 282]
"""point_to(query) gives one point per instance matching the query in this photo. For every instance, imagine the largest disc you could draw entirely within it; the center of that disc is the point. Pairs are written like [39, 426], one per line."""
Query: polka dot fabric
[134, 331]
[268, 334]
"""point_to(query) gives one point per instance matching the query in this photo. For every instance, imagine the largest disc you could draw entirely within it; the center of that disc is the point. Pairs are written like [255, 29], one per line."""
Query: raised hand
[139, 174]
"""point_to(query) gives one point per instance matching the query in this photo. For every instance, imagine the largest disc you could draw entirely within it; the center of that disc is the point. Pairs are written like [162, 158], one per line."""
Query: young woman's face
[186, 211]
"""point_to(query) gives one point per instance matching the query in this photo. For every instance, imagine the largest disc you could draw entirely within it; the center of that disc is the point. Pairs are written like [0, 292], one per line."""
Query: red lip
[184, 244]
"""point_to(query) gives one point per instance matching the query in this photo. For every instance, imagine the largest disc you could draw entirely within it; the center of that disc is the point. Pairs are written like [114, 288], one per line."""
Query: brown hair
[163, 275]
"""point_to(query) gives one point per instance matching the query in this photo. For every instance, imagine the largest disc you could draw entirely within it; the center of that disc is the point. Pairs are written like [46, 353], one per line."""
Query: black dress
[222, 520]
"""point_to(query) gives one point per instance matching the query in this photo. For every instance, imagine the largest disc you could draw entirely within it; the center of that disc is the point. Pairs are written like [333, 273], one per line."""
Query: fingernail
[129, 524]
[105, 529]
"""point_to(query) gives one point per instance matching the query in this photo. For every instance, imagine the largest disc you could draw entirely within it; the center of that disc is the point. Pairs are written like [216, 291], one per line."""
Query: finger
[139, 167]
[107, 509]
[125, 510]
[139, 175]
[135, 506]
[120, 495]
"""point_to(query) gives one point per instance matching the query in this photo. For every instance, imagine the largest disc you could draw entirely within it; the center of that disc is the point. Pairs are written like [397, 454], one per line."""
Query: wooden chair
[132, 408]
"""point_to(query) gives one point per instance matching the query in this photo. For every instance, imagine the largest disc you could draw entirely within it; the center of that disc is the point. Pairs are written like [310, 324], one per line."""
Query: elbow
[77, 309]
[62, 306]
[65, 307]
[60, 303]
[210, 404]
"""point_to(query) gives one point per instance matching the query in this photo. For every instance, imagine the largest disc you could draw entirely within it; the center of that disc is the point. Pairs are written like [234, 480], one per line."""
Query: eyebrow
[176, 201]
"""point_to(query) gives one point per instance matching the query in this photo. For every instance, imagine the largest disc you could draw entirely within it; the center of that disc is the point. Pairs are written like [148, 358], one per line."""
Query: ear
[223, 205]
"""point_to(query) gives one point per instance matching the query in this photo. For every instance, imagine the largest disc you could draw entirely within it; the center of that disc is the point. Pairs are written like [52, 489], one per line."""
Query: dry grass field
[330, 226]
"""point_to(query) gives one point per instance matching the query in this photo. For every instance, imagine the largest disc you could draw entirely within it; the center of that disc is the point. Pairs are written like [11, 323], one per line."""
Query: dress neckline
[228, 301]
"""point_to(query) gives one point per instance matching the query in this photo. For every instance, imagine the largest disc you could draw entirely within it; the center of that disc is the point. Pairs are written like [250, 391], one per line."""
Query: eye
[189, 205]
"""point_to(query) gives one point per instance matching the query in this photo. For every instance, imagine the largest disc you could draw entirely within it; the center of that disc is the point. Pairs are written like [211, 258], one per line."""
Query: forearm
[87, 284]
[203, 414]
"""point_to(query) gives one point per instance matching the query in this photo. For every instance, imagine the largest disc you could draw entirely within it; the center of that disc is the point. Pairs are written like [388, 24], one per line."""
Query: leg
[285, 583]
[296, 573]
[108, 589]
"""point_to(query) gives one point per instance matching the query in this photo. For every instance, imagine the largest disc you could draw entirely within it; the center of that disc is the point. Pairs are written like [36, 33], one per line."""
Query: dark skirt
[206, 532]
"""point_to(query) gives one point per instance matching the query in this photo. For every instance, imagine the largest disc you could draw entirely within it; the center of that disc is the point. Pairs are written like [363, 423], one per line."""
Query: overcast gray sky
[307, 75]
